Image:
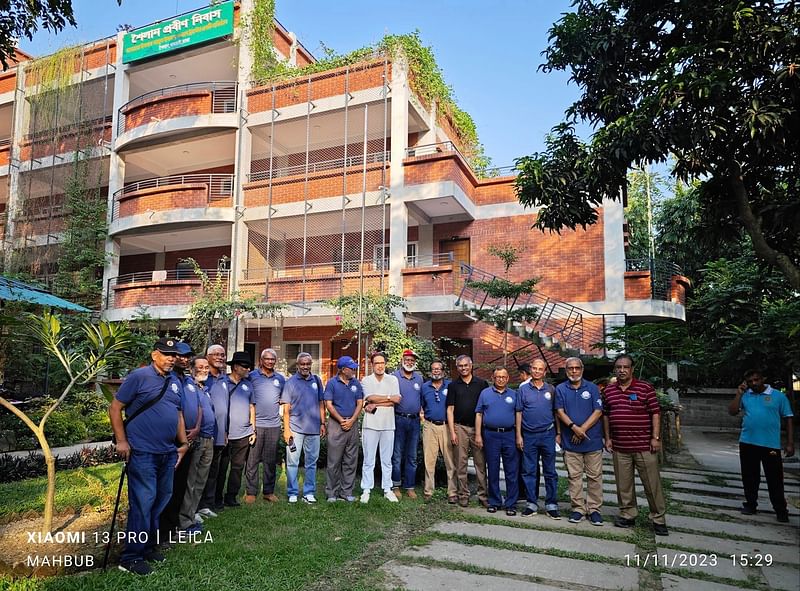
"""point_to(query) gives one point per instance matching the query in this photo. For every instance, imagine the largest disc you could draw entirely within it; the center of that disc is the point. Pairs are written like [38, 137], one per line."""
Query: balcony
[173, 199]
[5, 150]
[653, 279]
[431, 275]
[176, 287]
[66, 139]
[177, 108]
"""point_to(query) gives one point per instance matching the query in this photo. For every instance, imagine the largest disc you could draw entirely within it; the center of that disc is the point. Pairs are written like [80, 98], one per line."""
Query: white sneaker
[310, 499]
[198, 518]
[365, 497]
[207, 513]
[390, 496]
[292, 498]
[332, 499]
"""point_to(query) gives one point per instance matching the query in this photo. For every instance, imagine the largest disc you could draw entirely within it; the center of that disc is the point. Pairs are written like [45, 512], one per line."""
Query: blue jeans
[309, 445]
[149, 490]
[540, 445]
[495, 446]
[406, 441]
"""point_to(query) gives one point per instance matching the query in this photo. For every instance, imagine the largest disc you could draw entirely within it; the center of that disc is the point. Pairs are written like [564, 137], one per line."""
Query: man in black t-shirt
[462, 397]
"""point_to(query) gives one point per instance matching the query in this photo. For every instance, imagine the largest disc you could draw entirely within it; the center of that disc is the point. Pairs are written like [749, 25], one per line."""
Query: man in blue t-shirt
[580, 409]
[267, 389]
[495, 420]
[435, 434]
[760, 441]
[406, 426]
[343, 399]
[303, 426]
[151, 398]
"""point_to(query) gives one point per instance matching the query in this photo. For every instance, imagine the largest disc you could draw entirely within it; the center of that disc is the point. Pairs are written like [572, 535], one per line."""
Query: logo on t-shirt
[314, 385]
[276, 382]
[599, 403]
[547, 396]
[245, 388]
[444, 392]
[585, 395]
[509, 400]
[416, 386]
[353, 388]
[190, 387]
[175, 387]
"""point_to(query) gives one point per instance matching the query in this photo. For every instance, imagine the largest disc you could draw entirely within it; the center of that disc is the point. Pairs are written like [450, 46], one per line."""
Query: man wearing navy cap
[407, 426]
[343, 399]
[151, 398]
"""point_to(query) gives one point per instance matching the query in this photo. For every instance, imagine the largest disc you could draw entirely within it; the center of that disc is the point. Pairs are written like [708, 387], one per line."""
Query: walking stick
[114, 516]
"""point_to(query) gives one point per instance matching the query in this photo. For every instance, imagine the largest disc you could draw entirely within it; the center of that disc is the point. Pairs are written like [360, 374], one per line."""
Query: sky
[489, 52]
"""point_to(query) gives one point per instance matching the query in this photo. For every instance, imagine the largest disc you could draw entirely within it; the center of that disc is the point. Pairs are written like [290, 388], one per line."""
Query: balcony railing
[450, 147]
[312, 167]
[223, 98]
[429, 260]
[164, 279]
[661, 274]
[220, 186]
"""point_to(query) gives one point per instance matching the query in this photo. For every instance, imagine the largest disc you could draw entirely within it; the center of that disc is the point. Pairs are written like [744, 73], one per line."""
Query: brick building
[300, 190]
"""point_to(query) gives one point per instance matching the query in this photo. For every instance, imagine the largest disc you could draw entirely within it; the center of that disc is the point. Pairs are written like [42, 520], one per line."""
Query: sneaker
[331, 499]
[154, 556]
[660, 529]
[198, 518]
[391, 496]
[207, 513]
[575, 517]
[310, 499]
[782, 517]
[527, 512]
[511, 512]
[747, 510]
[137, 567]
[292, 498]
[365, 497]
[411, 493]
[624, 522]
[554, 514]
[350, 499]
[595, 518]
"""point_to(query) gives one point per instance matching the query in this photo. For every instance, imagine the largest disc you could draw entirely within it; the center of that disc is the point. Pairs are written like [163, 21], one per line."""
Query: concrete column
[398, 225]
[160, 261]
[429, 137]
[277, 344]
[672, 374]
[614, 251]
[425, 244]
[18, 129]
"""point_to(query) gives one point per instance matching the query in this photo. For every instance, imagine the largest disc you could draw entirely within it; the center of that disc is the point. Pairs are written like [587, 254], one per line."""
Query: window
[381, 253]
[292, 350]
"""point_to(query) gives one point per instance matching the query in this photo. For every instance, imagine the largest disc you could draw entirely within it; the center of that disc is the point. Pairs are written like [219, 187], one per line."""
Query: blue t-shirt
[190, 401]
[208, 424]
[498, 408]
[761, 423]
[219, 399]
[343, 395]
[537, 407]
[435, 410]
[410, 393]
[155, 429]
[241, 397]
[304, 396]
[267, 397]
[579, 403]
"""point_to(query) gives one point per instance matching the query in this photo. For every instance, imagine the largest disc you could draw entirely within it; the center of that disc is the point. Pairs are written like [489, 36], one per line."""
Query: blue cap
[346, 361]
[184, 348]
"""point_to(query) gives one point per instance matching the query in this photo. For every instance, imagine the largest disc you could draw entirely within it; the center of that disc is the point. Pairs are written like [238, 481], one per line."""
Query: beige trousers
[466, 440]
[435, 439]
[646, 464]
[591, 464]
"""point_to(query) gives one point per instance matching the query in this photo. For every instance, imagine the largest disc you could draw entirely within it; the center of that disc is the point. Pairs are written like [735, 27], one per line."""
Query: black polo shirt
[463, 398]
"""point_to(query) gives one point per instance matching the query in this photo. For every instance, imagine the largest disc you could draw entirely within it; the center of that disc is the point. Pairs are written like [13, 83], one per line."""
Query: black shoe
[748, 510]
[511, 512]
[660, 529]
[623, 522]
[782, 517]
[154, 556]
[219, 506]
[232, 503]
[527, 512]
[491, 509]
[137, 567]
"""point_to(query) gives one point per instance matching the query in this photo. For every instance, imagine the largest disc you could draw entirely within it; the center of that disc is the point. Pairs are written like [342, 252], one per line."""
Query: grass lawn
[336, 546]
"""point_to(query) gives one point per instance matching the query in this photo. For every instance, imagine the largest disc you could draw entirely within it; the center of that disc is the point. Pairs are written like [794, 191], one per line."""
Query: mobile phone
[292, 446]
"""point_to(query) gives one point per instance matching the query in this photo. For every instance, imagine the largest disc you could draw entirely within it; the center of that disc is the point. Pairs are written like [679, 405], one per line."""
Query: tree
[646, 190]
[104, 343]
[22, 18]
[715, 85]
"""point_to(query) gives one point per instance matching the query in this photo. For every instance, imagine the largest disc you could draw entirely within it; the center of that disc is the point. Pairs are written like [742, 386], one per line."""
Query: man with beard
[435, 438]
[406, 426]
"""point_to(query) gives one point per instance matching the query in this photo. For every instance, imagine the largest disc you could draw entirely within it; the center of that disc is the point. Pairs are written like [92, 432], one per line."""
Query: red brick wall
[290, 289]
[429, 281]
[179, 104]
[4, 155]
[281, 42]
[637, 285]
[207, 258]
[8, 81]
[446, 166]
[67, 143]
[678, 288]
[165, 198]
[173, 293]
[262, 336]
[94, 56]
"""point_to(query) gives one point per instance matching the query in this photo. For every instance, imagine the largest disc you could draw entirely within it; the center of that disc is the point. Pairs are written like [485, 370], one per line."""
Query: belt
[435, 422]
[408, 415]
[499, 429]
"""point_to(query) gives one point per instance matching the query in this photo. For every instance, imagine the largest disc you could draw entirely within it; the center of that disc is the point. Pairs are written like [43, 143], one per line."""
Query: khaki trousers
[646, 464]
[435, 439]
[591, 464]
[466, 440]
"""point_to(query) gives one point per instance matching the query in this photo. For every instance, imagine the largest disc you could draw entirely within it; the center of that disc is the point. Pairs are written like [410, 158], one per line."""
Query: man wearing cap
[435, 438]
[267, 387]
[303, 425]
[407, 426]
[462, 397]
[381, 393]
[537, 434]
[343, 399]
[151, 398]
[240, 429]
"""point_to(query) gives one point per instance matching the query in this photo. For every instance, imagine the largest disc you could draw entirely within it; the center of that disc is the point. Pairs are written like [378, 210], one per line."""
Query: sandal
[491, 509]
[511, 512]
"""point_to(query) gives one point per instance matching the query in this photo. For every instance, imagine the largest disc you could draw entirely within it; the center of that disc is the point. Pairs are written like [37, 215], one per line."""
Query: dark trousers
[149, 491]
[209, 499]
[495, 446]
[265, 452]
[540, 445]
[751, 458]
[404, 457]
[235, 455]
[170, 516]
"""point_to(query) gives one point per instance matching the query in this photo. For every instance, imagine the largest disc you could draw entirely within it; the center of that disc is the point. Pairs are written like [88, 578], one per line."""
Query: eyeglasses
[574, 368]
[462, 365]
[268, 359]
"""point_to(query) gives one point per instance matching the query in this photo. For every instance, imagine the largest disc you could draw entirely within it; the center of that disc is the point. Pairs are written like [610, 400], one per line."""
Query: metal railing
[448, 146]
[223, 98]
[220, 186]
[5, 143]
[429, 260]
[312, 167]
[661, 274]
[314, 270]
[165, 277]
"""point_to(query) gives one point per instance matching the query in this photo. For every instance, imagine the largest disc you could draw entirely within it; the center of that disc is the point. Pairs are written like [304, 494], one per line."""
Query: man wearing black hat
[343, 398]
[240, 427]
[146, 440]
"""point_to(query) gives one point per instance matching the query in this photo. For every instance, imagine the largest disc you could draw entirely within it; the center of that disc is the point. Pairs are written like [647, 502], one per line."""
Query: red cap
[409, 352]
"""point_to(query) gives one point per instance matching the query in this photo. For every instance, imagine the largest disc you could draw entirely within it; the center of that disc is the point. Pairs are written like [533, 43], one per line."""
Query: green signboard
[179, 32]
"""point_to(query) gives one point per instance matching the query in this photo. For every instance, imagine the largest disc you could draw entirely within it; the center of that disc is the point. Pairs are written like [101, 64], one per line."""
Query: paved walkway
[711, 546]
[59, 451]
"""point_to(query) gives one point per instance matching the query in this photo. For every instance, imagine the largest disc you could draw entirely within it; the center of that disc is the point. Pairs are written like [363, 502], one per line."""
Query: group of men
[226, 424]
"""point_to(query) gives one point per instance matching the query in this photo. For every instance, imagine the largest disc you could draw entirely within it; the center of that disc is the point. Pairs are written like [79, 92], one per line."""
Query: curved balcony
[173, 199]
[177, 108]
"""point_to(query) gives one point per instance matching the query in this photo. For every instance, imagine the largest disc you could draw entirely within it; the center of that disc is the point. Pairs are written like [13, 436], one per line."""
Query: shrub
[13, 468]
